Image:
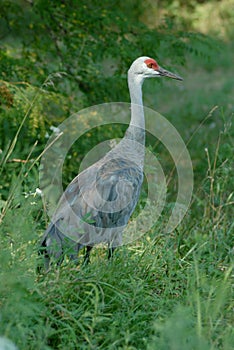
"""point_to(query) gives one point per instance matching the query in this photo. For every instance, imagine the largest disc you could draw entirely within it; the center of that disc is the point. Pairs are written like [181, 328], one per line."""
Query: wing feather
[105, 193]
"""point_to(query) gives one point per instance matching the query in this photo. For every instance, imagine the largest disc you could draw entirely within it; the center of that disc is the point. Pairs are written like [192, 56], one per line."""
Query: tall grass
[162, 292]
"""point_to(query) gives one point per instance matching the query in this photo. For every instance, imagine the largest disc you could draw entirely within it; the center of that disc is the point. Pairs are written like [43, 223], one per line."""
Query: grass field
[162, 292]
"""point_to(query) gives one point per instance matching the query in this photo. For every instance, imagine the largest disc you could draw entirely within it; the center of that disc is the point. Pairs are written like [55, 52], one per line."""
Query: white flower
[39, 192]
[55, 129]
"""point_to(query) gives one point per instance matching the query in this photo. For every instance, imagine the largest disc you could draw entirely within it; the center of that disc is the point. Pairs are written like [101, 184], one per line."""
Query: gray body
[97, 204]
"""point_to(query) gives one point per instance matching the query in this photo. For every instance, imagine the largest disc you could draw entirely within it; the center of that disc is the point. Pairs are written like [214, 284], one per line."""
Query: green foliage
[162, 292]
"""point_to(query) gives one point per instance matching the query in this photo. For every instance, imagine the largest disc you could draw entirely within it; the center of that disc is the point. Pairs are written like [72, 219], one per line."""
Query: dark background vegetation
[165, 291]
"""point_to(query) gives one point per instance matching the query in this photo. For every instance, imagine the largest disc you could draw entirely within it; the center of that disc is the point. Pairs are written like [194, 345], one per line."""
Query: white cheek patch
[154, 73]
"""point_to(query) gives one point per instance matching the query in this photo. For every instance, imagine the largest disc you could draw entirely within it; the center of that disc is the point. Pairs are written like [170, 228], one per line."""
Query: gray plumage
[97, 204]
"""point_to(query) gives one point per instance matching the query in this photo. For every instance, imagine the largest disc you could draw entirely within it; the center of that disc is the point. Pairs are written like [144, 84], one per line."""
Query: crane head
[146, 67]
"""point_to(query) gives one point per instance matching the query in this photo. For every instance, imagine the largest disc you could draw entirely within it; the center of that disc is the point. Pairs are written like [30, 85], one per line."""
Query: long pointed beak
[166, 73]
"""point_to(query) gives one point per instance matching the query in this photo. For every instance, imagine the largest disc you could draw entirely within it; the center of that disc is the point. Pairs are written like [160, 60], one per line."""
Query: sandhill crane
[106, 193]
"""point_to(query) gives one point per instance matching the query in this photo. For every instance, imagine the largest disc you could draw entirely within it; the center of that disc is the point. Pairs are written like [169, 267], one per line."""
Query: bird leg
[73, 252]
[87, 255]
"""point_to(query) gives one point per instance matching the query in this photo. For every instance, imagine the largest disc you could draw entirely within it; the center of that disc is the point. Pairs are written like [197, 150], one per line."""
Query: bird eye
[150, 65]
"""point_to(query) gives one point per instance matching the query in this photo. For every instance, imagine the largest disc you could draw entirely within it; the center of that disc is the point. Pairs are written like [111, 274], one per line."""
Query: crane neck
[137, 122]
[132, 146]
